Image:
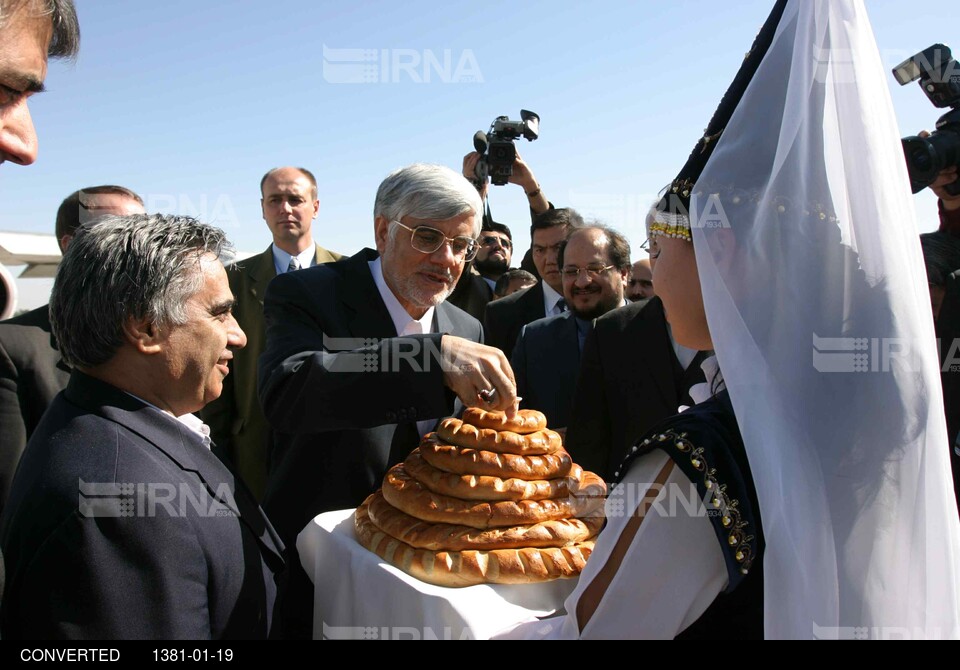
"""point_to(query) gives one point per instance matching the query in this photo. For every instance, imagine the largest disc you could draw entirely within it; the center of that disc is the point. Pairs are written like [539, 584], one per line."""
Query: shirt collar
[193, 423]
[402, 321]
[550, 298]
[281, 259]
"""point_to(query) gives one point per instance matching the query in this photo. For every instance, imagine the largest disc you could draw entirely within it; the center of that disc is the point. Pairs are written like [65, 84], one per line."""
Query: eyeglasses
[427, 240]
[593, 270]
[651, 247]
[493, 239]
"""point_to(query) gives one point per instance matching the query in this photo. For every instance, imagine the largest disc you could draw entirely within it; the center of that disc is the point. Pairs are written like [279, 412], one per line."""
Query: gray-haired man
[121, 522]
[363, 355]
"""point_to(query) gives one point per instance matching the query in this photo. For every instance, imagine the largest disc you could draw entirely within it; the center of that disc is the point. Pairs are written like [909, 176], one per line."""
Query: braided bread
[461, 434]
[466, 568]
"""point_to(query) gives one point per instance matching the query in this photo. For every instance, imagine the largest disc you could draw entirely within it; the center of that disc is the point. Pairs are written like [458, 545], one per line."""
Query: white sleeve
[671, 572]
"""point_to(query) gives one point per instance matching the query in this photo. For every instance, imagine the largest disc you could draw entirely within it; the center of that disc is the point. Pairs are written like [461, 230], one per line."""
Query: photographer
[941, 256]
[522, 176]
[475, 288]
[949, 205]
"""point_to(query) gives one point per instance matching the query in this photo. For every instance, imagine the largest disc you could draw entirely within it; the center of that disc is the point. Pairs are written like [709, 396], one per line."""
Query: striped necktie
[294, 264]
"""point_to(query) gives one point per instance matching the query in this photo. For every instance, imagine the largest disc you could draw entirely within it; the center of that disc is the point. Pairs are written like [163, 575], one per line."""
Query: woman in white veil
[808, 282]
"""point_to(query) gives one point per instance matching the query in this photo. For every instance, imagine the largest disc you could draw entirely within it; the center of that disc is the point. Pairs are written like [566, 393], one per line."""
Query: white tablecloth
[359, 596]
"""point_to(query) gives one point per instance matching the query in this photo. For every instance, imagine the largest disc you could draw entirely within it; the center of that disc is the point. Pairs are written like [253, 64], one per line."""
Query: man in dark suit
[505, 317]
[595, 265]
[30, 33]
[363, 356]
[122, 523]
[476, 286]
[289, 204]
[358, 358]
[630, 379]
[31, 372]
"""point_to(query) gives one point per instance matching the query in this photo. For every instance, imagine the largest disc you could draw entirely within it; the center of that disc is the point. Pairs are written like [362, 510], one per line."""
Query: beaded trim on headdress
[670, 225]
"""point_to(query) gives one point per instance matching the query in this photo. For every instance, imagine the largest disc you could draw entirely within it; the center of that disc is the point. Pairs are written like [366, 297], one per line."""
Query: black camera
[939, 77]
[496, 148]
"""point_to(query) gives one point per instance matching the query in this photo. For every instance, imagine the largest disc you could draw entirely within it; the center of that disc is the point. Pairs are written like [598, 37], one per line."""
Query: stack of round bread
[485, 499]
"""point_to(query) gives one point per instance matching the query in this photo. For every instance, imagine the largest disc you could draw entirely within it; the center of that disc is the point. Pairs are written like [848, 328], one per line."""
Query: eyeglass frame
[467, 256]
[567, 272]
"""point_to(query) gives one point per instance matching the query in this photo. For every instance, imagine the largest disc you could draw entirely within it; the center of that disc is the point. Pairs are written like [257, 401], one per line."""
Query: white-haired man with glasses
[363, 355]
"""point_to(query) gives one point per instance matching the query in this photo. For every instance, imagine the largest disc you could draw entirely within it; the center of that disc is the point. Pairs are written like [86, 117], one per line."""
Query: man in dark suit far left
[31, 371]
[122, 523]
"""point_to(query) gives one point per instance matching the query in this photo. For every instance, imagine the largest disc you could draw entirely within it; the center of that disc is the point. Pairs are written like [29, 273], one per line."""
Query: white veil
[816, 297]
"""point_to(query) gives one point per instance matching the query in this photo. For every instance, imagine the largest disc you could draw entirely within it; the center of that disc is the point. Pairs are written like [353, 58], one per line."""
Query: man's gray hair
[424, 191]
[65, 40]
[139, 266]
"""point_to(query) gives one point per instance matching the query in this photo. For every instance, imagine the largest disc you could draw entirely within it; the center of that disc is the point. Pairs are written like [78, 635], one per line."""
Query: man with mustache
[363, 356]
[504, 318]
[594, 264]
[477, 285]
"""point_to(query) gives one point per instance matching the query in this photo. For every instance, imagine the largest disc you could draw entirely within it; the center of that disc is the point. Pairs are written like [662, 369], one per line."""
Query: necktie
[294, 264]
[561, 306]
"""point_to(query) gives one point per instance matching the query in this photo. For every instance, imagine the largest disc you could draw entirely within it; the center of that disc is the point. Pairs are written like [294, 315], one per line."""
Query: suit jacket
[341, 390]
[236, 421]
[545, 364]
[471, 294]
[630, 379]
[31, 374]
[506, 316]
[121, 524]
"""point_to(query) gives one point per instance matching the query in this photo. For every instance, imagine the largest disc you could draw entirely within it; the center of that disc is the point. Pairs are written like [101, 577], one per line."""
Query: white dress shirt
[403, 322]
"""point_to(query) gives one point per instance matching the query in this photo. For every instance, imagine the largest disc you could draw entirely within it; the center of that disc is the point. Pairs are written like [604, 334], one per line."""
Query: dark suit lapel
[656, 352]
[532, 302]
[181, 446]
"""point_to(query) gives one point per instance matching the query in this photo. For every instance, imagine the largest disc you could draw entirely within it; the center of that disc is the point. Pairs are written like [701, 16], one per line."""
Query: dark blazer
[31, 374]
[341, 390]
[630, 379]
[121, 524]
[236, 421]
[545, 363]
[506, 316]
[471, 294]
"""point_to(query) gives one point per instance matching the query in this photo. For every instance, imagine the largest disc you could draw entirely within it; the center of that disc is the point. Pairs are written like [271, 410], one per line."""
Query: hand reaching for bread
[481, 376]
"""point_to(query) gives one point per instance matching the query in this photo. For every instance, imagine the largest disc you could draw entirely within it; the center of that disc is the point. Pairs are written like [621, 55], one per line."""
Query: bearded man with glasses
[364, 356]
[477, 284]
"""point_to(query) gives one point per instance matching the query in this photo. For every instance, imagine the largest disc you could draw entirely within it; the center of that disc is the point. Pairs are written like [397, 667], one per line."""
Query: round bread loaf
[463, 434]
[467, 461]
[467, 568]
[449, 537]
[486, 487]
[526, 420]
[410, 496]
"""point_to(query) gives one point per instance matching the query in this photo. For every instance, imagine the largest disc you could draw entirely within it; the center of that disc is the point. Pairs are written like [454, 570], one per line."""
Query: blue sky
[189, 103]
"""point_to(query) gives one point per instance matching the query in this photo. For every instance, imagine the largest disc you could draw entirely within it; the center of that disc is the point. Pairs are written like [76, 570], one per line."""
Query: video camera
[939, 77]
[496, 148]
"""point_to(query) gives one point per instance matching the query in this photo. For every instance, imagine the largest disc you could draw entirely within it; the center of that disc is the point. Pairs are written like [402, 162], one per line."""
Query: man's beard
[598, 310]
[423, 296]
[491, 265]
